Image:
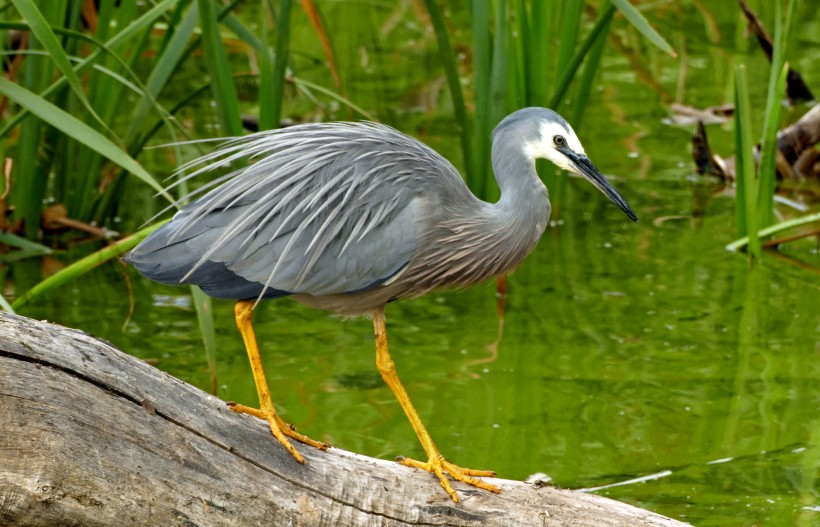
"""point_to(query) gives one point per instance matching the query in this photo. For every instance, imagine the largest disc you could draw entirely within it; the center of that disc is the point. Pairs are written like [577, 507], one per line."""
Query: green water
[628, 350]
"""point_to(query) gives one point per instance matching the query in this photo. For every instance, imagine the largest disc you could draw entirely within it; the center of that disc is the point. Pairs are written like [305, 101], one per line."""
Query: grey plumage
[349, 216]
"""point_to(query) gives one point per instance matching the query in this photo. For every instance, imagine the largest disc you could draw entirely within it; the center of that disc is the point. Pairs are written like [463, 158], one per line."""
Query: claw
[438, 466]
[280, 429]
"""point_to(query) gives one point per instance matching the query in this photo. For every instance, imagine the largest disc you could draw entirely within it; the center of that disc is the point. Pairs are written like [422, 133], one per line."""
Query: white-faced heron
[350, 216]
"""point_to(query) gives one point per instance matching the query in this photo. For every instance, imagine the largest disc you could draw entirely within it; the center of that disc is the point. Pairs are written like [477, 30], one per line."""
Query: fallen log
[94, 437]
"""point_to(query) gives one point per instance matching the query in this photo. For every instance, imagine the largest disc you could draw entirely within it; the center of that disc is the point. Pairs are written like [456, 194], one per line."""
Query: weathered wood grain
[91, 436]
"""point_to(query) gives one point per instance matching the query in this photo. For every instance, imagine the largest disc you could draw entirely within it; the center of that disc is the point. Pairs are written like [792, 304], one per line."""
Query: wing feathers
[323, 208]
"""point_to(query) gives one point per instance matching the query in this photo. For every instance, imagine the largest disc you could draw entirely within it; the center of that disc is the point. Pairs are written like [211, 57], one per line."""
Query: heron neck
[523, 194]
[473, 240]
[518, 219]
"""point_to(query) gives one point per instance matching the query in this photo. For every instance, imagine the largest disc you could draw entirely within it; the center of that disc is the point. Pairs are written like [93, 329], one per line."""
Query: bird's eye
[559, 140]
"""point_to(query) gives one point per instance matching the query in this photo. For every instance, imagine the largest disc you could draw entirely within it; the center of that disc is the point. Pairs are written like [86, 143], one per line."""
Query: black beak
[588, 170]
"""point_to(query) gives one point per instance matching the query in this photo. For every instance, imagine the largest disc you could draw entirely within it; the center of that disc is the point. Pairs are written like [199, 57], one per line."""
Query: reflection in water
[470, 366]
[633, 481]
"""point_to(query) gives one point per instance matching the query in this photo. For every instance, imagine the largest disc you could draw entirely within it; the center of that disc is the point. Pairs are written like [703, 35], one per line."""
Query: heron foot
[438, 466]
[280, 429]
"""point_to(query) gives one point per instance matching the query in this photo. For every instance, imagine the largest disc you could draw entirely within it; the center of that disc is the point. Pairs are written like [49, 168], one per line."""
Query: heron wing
[323, 209]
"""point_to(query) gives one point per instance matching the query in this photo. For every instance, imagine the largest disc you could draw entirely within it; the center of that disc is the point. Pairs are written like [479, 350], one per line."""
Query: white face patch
[544, 146]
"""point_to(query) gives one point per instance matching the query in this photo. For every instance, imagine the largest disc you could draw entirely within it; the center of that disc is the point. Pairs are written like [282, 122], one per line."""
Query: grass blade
[223, 87]
[147, 91]
[767, 171]
[499, 81]
[84, 265]
[123, 36]
[521, 46]
[242, 31]
[42, 30]
[515, 26]
[538, 45]
[78, 130]
[637, 19]
[774, 229]
[31, 169]
[571, 22]
[12, 240]
[107, 95]
[448, 62]
[333, 95]
[267, 114]
[601, 26]
[5, 306]
[315, 18]
[592, 63]
[164, 67]
[31, 177]
[747, 213]
[205, 318]
[280, 61]
[24, 244]
[482, 61]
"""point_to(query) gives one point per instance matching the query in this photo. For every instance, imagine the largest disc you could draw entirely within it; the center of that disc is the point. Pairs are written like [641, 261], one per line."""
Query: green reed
[755, 186]
[74, 123]
[525, 53]
[80, 135]
[747, 184]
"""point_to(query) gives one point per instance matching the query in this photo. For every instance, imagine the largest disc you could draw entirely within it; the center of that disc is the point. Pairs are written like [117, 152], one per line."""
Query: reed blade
[216, 58]
[642, 25]
[129, 32]
[746, 182]
[280, 62]
[77, 129]
[482, 63]
[42, 30]
[448, 60]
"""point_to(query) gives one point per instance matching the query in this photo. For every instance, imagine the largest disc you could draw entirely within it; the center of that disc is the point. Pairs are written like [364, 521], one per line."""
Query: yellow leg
[280, 429]
[435, 461]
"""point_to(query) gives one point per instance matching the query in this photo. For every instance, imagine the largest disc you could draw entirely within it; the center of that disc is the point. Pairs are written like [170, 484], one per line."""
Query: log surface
[94, 437]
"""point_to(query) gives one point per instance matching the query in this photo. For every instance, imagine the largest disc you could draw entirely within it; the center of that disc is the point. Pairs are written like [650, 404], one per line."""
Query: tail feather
[168, 262]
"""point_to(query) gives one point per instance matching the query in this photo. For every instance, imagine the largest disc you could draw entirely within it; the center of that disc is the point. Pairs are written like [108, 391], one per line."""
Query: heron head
[547, 135]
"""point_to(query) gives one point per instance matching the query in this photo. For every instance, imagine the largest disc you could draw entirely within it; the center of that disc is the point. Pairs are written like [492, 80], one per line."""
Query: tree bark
[94, 437]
